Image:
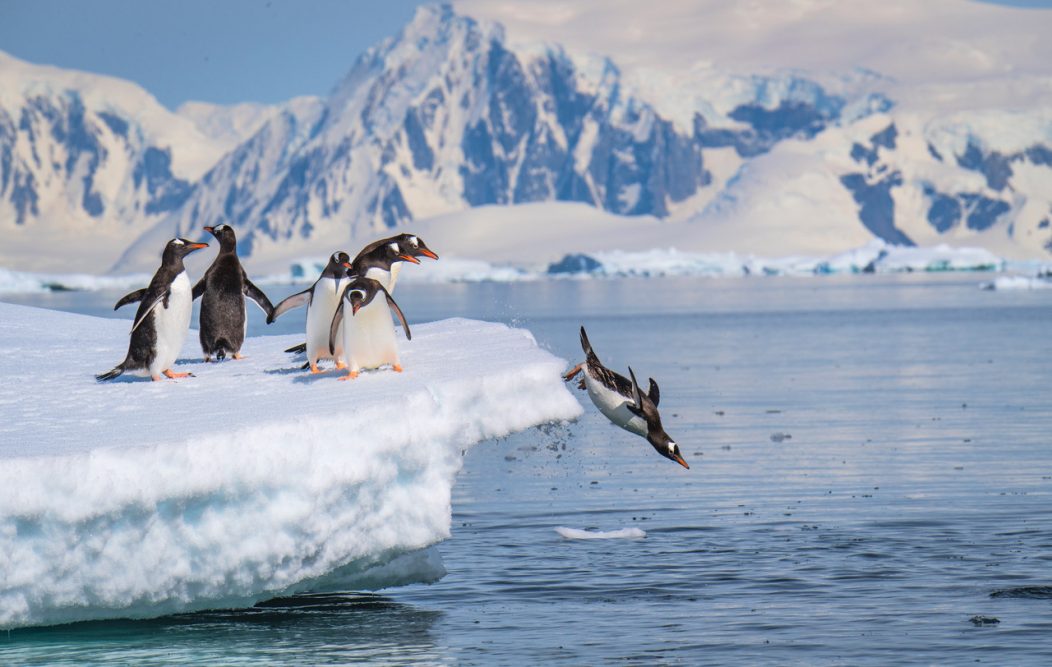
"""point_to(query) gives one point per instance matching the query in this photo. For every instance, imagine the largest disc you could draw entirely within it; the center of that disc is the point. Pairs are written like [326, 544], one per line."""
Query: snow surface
[136, 498]
[578, 534]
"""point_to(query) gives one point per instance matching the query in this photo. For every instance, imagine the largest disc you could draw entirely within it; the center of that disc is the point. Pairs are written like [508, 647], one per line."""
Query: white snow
[253, 479]
[579, 534]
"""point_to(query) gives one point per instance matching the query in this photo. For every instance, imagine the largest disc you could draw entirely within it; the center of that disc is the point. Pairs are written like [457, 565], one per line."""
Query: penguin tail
[587, 346]
[297, 349]
[221, 347]
[117, 371]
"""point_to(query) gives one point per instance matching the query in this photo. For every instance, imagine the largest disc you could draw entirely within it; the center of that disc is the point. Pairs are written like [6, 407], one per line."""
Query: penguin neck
[227, 247]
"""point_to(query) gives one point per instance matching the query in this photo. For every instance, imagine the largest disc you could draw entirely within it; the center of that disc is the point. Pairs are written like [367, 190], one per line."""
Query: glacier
[248, 481]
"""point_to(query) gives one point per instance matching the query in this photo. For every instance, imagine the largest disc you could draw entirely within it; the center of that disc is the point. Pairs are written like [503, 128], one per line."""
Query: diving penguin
[622, 402]
[163, 318]
[321, 300]
[222, 290]
[368, 332]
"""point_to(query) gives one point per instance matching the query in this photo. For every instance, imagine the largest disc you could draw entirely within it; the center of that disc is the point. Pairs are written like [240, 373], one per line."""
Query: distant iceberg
[249, 481]
[620, 534]
[875, 257]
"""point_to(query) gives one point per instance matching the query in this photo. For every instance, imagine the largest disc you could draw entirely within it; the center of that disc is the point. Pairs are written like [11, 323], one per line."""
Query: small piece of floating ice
[249, 481]
[622, 534]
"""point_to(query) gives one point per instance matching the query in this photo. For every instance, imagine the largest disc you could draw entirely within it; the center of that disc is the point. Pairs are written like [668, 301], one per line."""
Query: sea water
[870, 483]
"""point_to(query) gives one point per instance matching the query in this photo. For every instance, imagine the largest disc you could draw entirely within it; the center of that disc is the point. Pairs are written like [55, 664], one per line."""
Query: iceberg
[251, 480]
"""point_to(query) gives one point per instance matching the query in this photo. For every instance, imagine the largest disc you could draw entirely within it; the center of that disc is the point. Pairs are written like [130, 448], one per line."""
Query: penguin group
[356, 338]
[349, 323]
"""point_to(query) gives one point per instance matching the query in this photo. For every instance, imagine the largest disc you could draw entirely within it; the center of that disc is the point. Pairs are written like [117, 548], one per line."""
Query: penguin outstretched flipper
[288, 303]
[654, 393]
[398, 311]
[130, 297]
[257, 295]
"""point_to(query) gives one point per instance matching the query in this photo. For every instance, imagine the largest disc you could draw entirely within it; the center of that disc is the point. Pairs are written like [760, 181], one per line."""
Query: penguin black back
[222, 291]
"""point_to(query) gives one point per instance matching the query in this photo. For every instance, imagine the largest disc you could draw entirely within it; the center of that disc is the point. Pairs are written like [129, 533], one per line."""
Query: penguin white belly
[385, 278]
[172, 324]
[614, 406]
[320, 312]
[369, 336]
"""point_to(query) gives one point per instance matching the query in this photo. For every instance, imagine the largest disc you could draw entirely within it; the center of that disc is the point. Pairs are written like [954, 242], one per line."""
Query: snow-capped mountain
[457, 112]
[86, 162]
[441, 118]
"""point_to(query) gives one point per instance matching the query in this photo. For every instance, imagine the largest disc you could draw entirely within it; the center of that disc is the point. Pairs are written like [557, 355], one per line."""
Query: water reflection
[304, 629]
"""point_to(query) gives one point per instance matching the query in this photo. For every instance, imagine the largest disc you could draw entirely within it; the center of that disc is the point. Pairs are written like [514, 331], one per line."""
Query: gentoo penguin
[623, 403]
[368, 332]
[382, 260]
[321, 300]
[163, 318]
[222, 291]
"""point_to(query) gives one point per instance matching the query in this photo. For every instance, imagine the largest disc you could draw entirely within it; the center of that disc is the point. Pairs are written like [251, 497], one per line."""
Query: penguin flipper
[257, 295]
[637, 395]
[145, 310]
[398, 311]
[131, 297]
[334, 327]
[297, 349]
[294, 301]
[199, 289]
[654, 393]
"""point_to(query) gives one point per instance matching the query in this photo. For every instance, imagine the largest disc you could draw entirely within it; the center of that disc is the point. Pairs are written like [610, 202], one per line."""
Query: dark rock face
[575, 263]
[876, 207]
[790, 119]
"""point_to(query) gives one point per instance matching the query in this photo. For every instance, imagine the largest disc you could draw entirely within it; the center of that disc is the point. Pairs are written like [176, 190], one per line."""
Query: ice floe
[248, 481]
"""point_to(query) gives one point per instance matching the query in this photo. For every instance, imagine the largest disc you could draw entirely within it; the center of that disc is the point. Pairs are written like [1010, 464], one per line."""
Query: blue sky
[221, 51]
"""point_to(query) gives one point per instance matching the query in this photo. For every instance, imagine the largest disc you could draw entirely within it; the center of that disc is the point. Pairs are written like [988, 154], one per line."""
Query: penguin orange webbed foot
[315, 370]
[340, 366]
[238, 356]
[397, 368]
[173, 376]
[350, 376]
[572, 372]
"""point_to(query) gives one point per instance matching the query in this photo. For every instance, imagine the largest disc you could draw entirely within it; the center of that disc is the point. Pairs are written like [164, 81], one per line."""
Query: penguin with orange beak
[623, 403]
[163, 318]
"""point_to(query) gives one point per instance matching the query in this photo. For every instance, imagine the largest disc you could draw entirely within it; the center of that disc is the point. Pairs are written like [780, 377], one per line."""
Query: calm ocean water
[871, 468]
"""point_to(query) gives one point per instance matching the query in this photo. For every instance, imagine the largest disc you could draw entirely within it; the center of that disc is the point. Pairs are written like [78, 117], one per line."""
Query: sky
[222, 51]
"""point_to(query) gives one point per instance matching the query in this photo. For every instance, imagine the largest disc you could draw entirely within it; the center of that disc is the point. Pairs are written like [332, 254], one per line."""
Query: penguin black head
[226, 237]
[177, 248]
[413, 245]
[646, 407]
[361, 293]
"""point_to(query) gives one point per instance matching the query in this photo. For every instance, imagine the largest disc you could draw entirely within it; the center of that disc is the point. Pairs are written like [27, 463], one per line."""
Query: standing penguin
[163, 318]
[622, 402]
[321, 300]
[368, 332]
[222, 290]
[380, 260]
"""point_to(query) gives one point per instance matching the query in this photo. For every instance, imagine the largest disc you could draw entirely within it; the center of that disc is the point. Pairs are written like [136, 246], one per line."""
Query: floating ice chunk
[12, 282]
[1008, 283]
[249, 481]
[622, 534]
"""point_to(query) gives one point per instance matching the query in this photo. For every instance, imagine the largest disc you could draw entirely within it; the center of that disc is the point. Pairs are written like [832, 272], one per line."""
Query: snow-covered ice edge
[251, 480]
